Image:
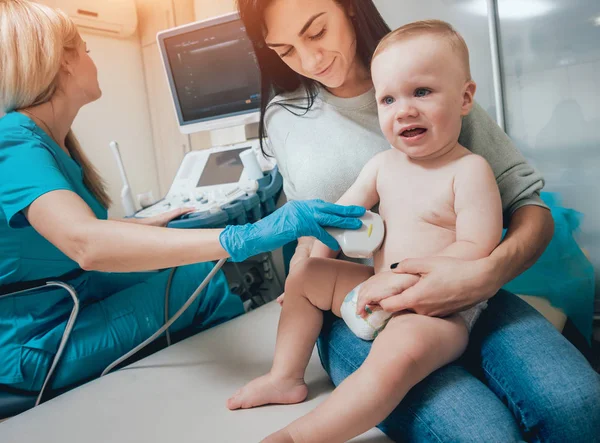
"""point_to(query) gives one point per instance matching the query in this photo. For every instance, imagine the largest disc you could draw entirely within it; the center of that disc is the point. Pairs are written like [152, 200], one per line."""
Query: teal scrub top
[31, 165]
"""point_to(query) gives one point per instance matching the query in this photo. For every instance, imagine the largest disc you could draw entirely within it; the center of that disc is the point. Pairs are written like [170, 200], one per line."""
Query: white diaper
[366, 328]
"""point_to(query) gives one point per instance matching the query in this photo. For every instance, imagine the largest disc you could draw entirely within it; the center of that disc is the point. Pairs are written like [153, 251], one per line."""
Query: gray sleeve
[520, 184]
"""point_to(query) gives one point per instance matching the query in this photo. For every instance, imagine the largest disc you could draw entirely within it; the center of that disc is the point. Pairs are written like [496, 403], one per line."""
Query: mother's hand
[380, 287]
[447, 285]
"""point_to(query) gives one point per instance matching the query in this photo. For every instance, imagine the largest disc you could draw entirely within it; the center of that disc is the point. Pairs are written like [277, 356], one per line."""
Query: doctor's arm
[66, 221]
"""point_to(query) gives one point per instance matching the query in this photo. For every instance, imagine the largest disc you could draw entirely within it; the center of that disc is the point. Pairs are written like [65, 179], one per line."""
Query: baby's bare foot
[268, 390]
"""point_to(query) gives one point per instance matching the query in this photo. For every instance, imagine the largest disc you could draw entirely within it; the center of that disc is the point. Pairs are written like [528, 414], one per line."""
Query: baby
[436, 199]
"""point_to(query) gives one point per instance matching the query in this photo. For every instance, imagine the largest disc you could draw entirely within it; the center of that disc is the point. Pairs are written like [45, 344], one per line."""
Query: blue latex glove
[293, 220]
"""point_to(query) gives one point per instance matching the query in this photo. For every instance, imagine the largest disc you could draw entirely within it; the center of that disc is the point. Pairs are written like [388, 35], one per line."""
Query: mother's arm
[530, 224]
[451, 285]
[530, 230]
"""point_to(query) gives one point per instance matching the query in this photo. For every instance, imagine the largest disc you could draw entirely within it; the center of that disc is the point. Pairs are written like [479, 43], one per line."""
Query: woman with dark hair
[519, 379]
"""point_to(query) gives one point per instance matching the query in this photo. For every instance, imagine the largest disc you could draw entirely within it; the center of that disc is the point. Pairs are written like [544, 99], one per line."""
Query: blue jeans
[519, 379]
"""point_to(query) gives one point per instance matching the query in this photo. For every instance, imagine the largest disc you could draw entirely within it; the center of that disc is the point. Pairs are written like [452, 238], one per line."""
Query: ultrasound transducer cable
[168, 324]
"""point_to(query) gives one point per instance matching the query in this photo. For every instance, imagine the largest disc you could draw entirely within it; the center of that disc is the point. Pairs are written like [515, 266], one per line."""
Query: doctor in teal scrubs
[53, 223]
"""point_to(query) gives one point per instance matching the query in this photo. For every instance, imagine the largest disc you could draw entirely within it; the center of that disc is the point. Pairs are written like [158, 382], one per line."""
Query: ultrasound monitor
[213, 74]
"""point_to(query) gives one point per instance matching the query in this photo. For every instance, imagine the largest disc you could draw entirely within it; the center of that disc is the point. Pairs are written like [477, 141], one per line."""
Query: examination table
[178, 394]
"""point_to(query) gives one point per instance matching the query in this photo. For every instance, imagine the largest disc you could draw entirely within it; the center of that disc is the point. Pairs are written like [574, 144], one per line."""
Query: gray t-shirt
[321, 153]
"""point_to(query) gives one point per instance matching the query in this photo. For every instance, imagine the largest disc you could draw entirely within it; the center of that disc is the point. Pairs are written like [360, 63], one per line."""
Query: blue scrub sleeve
[28, 170]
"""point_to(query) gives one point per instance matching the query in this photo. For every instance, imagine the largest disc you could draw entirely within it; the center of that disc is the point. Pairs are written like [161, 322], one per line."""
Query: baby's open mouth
[413, 132]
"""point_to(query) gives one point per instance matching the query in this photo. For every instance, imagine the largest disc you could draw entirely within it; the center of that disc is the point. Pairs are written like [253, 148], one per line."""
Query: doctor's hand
[163, 220]
[446, 285]
[293, 220]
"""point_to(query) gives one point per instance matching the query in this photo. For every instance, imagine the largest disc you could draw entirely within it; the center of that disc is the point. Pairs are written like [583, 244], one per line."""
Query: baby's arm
[363, 192]
[478, 210]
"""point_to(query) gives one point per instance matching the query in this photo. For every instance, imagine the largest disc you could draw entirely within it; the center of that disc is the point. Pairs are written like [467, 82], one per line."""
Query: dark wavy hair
[277, 77]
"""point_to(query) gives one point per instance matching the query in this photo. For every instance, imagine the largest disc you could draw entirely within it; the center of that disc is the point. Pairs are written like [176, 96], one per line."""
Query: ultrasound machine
[215, 84]
[214, 81]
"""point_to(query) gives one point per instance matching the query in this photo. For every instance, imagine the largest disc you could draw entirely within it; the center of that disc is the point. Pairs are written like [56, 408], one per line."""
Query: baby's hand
[381, 286]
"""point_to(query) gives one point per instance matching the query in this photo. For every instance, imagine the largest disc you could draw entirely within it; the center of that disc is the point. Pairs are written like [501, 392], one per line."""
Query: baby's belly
[411, 239]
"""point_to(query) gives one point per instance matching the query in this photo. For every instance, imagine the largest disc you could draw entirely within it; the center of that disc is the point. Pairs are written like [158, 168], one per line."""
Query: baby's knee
[415, 346]
[302, 270]
[411, 357]
[401, 365]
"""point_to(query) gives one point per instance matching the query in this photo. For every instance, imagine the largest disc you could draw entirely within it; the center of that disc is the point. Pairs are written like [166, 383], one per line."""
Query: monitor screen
[213, 71]
[222, 167]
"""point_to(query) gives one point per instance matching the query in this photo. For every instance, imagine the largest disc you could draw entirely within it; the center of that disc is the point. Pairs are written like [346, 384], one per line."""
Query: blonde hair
[33, 42]
[429, 27]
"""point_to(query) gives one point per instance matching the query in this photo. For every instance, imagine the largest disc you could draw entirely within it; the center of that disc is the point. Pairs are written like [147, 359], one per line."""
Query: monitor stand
[233, 135]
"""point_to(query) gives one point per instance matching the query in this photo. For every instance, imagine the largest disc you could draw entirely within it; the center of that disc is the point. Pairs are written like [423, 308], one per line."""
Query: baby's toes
[235, 401]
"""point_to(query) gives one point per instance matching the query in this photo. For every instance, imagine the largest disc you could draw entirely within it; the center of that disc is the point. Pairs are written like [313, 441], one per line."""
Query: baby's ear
[468, 97]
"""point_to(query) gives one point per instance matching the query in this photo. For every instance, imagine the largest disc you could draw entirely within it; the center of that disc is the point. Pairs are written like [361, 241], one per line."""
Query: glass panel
[551, 59]
[469, 17]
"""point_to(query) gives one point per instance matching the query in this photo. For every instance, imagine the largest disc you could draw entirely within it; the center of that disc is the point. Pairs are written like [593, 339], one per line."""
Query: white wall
[122, 115]
[551, 61]
[473, 27]
[212, 8]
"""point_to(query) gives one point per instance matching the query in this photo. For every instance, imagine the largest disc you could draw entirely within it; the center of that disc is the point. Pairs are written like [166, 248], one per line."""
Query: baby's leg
[316, 285]
[409, 348]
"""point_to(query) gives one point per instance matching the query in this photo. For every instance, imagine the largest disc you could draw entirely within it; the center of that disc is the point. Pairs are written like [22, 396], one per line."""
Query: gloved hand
[293, 220]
